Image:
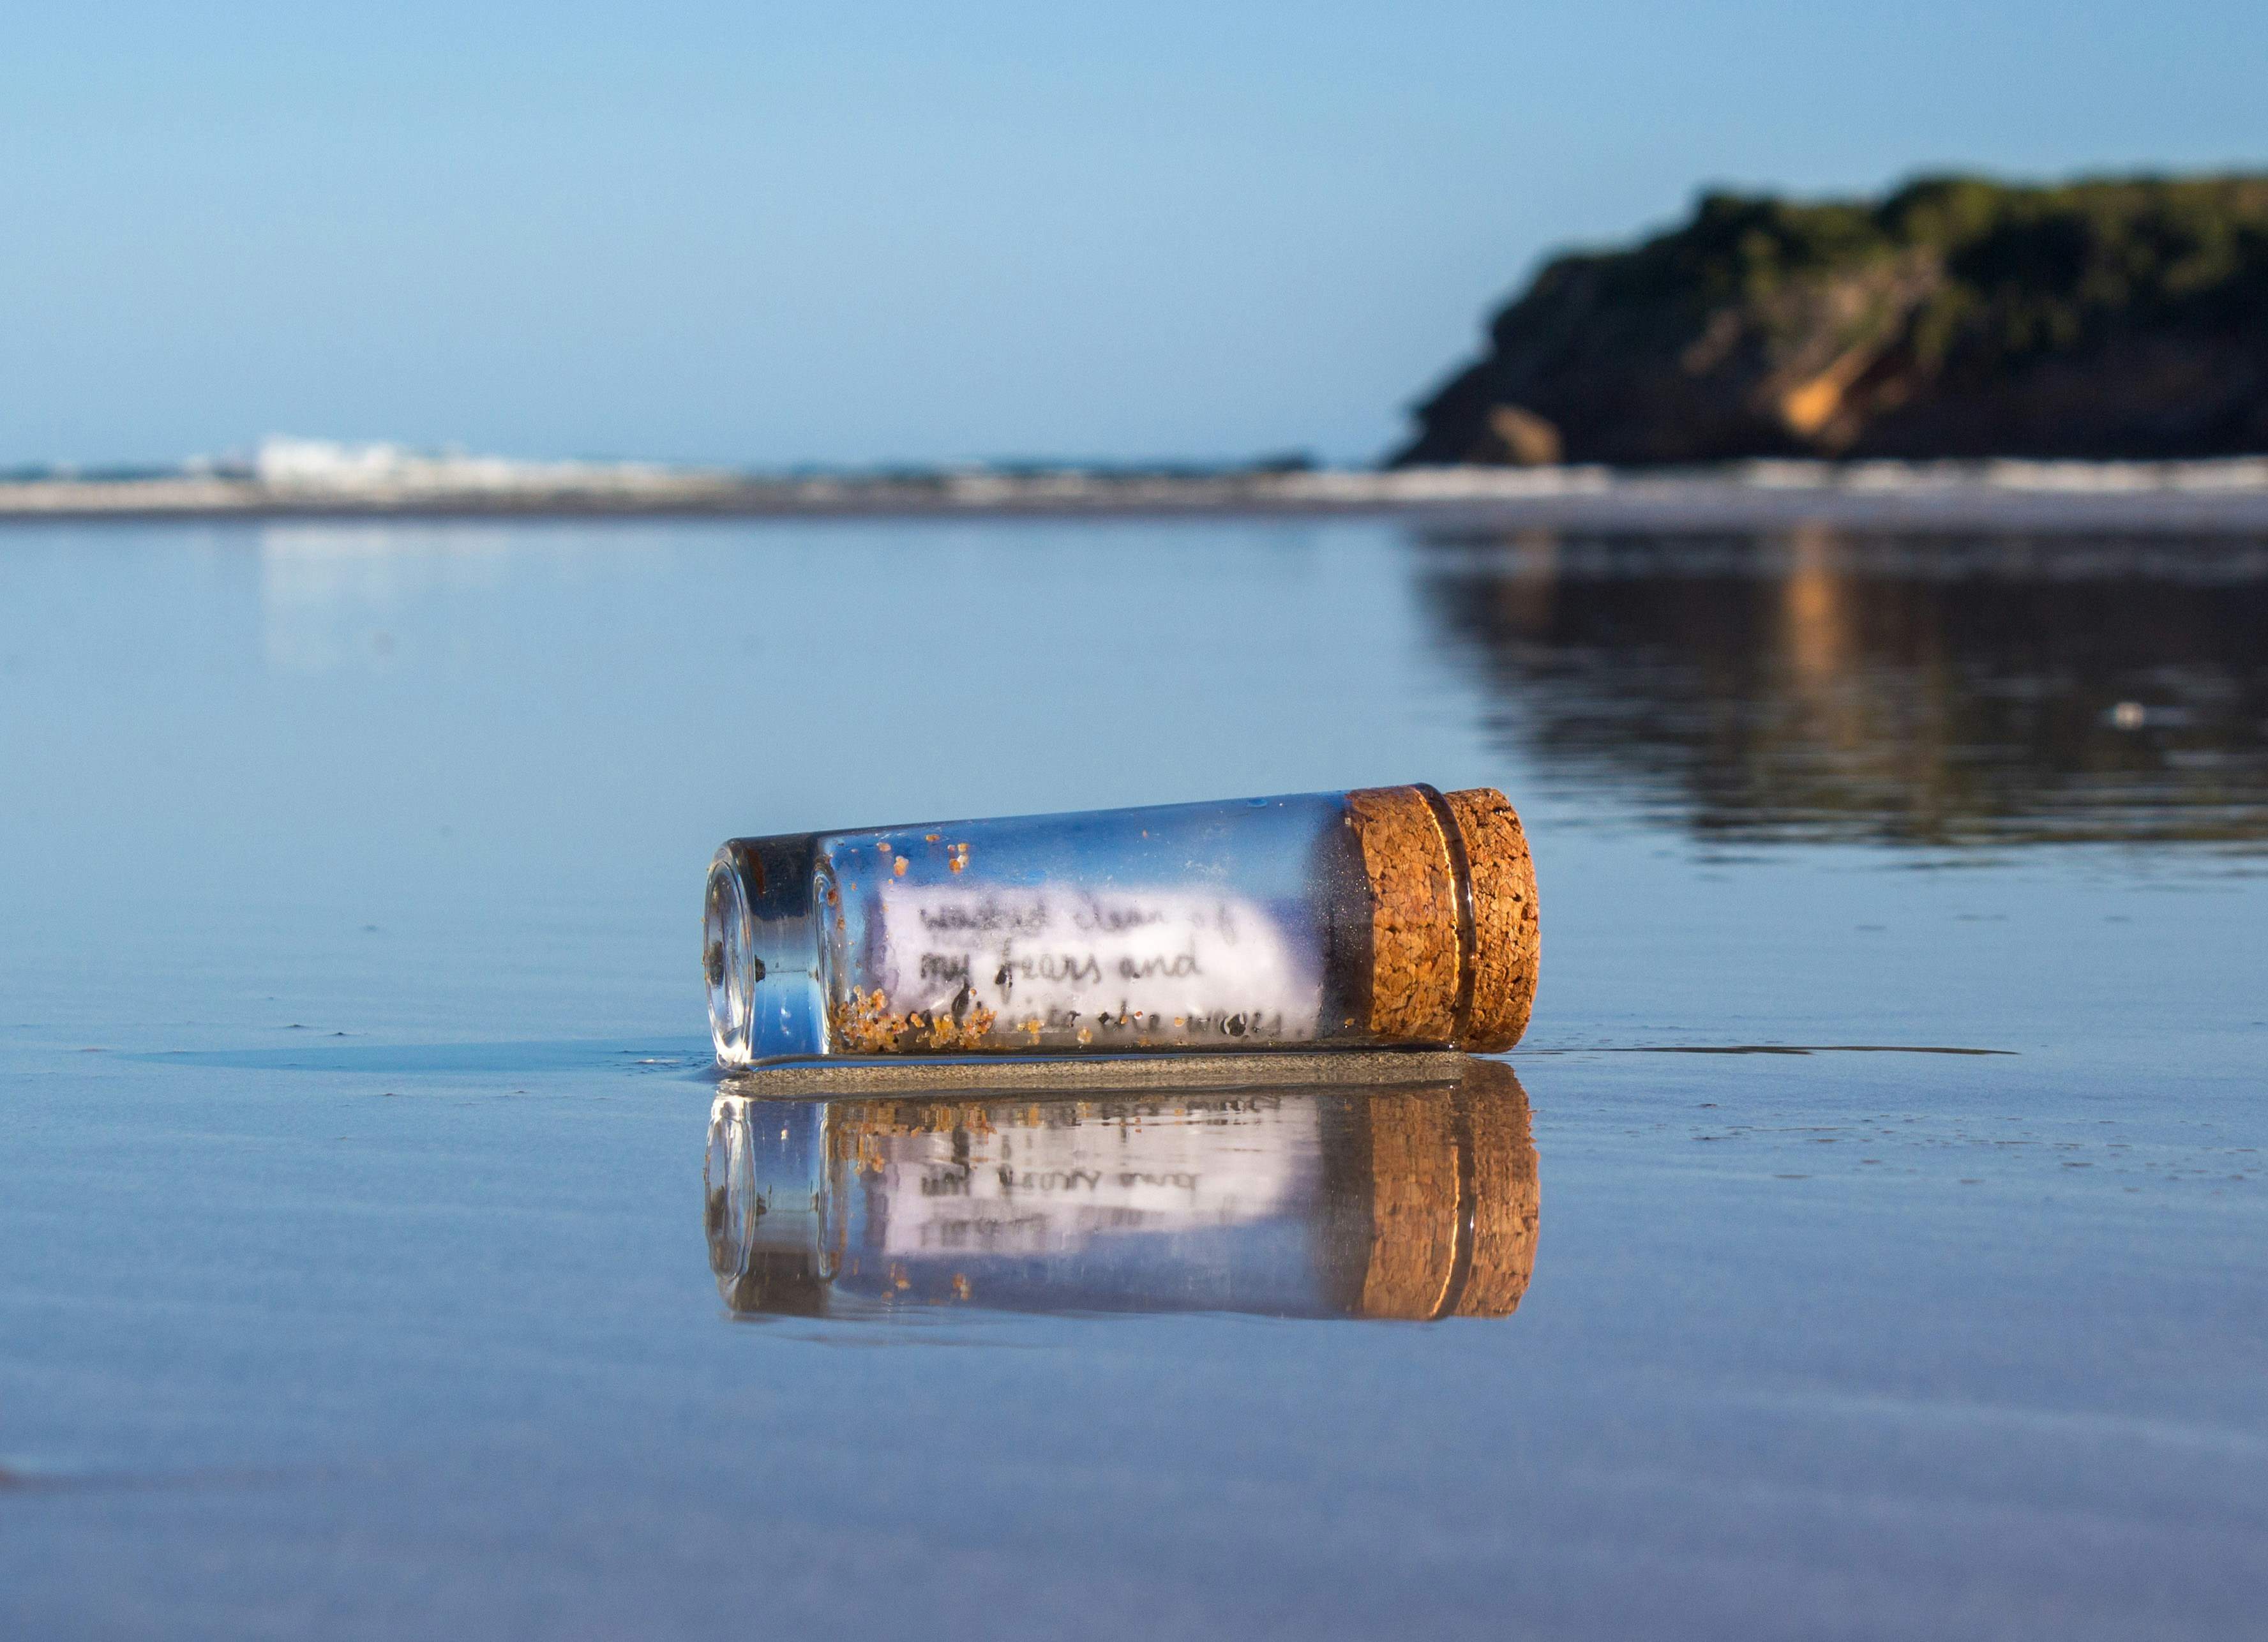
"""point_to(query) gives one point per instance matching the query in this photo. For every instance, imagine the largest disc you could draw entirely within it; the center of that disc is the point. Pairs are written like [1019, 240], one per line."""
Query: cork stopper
[1453, 933]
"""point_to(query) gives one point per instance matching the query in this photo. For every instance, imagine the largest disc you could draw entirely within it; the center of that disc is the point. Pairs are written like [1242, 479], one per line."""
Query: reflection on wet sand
[1935, 690]
[1407, 1200]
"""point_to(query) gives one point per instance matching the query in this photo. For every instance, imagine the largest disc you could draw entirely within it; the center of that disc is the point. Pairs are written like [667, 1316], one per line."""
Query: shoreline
[2229, 496]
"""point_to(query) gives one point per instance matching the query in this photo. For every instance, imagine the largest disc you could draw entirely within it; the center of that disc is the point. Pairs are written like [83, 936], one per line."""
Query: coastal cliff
[1954, 318]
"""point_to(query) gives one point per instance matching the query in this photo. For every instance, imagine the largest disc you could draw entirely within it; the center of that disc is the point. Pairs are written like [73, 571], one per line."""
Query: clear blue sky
[766, 235]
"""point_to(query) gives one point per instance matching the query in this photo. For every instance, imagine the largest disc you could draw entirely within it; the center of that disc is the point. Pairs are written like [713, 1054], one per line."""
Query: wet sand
[364, 1270]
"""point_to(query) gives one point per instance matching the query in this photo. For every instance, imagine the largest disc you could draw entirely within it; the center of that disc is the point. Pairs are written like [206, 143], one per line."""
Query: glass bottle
[1412, 1198]
[1380, 917]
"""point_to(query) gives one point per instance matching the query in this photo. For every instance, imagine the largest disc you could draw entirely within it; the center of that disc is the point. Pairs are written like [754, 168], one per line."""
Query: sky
[769, 236]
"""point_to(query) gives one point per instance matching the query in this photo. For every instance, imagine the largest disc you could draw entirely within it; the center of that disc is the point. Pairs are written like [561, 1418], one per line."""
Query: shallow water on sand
[372, 1265]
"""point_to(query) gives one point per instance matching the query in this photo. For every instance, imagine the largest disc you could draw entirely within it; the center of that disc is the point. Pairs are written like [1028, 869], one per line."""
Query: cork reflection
[1937, 690]
[1412, 1200]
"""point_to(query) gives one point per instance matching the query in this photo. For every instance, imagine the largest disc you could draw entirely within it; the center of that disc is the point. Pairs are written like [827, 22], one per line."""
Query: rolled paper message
[1412, 1198]
[1385, 917]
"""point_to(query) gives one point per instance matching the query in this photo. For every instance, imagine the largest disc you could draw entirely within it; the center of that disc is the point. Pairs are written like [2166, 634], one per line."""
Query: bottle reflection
[1408, 1200]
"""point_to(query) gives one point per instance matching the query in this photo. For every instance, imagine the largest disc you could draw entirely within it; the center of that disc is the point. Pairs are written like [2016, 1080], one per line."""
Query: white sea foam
[288, 475]
[326, 467]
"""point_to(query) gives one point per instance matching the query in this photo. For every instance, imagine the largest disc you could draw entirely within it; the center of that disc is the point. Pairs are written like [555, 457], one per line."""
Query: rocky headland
[1956, 317]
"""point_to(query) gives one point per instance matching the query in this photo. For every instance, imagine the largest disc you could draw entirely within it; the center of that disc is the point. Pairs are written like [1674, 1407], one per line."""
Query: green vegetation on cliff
[1957, 317]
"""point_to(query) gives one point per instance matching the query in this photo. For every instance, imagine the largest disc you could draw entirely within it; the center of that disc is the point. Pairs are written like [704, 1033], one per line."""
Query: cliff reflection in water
[1409, 1200]
[1916, 691]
